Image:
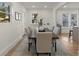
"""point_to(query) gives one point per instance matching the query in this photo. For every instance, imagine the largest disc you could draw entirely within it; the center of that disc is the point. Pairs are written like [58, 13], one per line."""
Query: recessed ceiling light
[65, 6]
[45, 6]
[33, 6]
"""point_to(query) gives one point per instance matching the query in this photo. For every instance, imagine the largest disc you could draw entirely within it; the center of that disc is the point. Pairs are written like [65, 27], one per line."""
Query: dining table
[54, 38]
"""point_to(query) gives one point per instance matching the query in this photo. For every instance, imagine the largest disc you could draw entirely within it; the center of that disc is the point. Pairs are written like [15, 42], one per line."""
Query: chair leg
[29, 45]
[35, 44]
[70, 33]
[37, 54]
[49, 54]
[55, 47]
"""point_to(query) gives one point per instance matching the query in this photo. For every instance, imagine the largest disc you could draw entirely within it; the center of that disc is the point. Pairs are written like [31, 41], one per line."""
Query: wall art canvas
[4, 12]
[65, 20]
[73, 19]
[34, 17]
[18, 16]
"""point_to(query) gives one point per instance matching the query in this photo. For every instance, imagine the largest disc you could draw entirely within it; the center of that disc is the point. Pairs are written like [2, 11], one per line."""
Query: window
[73, 19]
[69, 19]
[65, 20]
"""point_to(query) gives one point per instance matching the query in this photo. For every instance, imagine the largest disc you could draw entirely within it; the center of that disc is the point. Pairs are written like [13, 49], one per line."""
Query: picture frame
[4, 12]
[16, 16]
[20, 16]
[34, 17]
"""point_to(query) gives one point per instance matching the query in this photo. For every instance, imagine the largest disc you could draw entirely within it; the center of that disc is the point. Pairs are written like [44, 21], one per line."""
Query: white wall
[11, 32]
[59, 17]
[46, 14]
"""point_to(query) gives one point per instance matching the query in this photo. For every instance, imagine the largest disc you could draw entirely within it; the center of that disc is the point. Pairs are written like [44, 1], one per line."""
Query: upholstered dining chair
[32, 35]
[75, 34]
[55, 36]
[28, 34]
[44, 42]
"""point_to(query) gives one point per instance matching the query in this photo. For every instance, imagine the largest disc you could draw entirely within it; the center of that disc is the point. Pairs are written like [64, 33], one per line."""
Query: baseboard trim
[8, 48]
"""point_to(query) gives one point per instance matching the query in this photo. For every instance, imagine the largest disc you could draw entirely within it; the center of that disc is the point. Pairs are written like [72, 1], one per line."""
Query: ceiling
[40, 4]
[71, 5]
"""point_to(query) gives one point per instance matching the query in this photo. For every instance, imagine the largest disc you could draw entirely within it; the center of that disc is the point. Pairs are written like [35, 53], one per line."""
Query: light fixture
[33, 6]
[65, 6]
[45, 6]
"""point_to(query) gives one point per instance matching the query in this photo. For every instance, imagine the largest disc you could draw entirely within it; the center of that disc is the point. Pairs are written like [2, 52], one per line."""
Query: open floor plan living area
[39, 28]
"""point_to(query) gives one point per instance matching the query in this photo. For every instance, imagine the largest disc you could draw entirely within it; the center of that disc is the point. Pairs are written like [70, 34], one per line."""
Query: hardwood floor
[70, 46]
[65, 47]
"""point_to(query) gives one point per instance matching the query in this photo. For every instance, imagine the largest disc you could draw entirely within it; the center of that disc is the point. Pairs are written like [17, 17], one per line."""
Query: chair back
[44, 42]
[56, 30]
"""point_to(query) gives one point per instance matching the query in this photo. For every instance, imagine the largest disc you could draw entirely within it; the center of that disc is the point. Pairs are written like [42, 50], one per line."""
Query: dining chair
[44, 43]
[28, 34]
[55, 36]
[75, 34]
[70, 33]
[32, 36]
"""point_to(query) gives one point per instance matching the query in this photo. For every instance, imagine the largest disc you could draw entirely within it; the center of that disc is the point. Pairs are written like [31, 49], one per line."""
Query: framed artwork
[73, 19]
[18, 16]
[4, 12]
[65, 20]
[34, 17]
